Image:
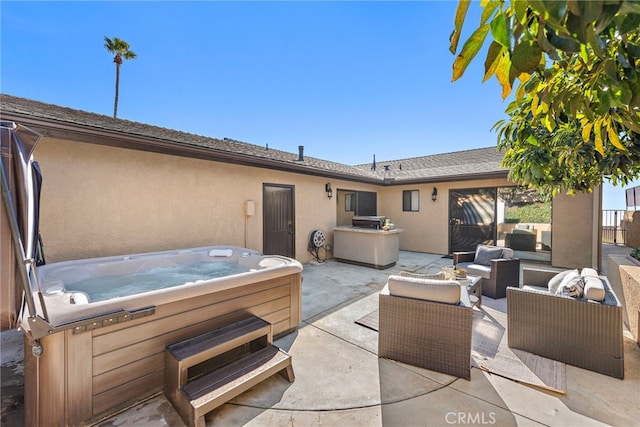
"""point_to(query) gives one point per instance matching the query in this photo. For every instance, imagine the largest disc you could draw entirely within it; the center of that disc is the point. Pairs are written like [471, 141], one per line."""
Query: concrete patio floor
[341, 381]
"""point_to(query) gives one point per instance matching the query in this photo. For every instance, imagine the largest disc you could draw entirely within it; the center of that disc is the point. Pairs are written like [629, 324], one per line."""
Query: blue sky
[345, 79]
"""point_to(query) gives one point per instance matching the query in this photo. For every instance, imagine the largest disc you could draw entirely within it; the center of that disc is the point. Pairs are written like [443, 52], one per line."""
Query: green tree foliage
[120, 49]
[574, 65]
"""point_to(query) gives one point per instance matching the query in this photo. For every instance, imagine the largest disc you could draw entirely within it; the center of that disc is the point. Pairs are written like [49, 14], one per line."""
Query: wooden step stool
[193, 398]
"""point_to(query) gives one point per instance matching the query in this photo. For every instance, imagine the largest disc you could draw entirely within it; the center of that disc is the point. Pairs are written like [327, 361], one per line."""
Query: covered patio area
[341, 381]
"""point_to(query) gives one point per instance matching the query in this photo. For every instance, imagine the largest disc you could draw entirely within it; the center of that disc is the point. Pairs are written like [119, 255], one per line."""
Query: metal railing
[613, 228]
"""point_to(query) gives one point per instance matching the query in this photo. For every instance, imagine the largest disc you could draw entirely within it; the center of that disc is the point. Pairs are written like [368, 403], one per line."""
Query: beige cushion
[446, 291]
[483, 271]
[594, 288]
[535, 289]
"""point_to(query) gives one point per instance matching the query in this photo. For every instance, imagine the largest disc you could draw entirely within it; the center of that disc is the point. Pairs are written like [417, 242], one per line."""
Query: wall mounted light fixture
[327, 188]
[434, 194]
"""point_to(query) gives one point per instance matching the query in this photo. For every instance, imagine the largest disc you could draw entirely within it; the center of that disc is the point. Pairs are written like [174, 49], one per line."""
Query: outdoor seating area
[341, 380]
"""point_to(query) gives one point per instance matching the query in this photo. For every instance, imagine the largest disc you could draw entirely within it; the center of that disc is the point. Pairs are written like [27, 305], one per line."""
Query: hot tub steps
[203, 372]
[218, 387]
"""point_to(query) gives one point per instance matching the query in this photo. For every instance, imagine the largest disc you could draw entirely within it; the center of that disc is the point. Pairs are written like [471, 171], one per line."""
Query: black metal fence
[613, 229]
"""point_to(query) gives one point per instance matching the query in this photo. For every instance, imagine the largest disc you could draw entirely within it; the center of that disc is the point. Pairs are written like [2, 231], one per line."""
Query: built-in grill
[376, 222]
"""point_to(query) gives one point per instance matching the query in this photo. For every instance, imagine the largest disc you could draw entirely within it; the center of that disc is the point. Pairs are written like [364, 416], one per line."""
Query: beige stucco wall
[99, 200]
[623, 273]
[631, 223]
[426, 230]
[576, 226]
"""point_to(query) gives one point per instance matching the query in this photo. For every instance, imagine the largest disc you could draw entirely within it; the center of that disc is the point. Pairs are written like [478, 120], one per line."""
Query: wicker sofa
[577, 331]
[430, 334]
[496, 274]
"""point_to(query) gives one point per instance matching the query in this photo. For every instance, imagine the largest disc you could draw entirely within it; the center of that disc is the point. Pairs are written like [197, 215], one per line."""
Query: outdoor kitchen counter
[366, 246]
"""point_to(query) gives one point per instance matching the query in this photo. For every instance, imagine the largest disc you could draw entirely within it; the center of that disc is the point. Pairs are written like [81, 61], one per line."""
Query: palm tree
[120, 49]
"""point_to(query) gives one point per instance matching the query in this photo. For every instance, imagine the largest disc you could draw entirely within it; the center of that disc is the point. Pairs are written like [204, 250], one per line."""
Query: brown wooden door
[278, 220]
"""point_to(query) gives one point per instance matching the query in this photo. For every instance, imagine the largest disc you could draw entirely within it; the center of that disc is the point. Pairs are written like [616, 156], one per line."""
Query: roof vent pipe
[301, 153]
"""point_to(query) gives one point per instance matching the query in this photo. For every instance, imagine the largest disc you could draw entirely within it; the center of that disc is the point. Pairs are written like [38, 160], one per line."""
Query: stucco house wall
[576, 231]
[100, 200]
[428, 230]
[631, 223]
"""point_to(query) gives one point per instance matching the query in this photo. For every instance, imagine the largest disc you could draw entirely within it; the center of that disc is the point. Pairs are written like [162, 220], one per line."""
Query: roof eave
[502, 174]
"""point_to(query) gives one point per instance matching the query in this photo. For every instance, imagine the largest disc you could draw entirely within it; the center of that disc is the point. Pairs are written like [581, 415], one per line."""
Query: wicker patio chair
[580, 332]
[496, 275]
[428, 334]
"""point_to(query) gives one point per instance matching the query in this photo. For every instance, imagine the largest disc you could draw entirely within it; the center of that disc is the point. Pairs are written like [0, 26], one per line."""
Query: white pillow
[589, 272]
[594, 288]
[556, 280]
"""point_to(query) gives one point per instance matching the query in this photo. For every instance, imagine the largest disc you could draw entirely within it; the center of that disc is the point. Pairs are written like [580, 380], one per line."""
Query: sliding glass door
[472, 218]
[512, 217]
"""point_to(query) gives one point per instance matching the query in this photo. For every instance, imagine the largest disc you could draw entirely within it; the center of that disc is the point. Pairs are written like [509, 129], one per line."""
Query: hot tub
[105, 351]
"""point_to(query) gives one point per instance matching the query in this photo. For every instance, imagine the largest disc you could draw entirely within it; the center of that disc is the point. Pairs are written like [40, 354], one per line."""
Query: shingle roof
[485, 161]
[440, 166]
